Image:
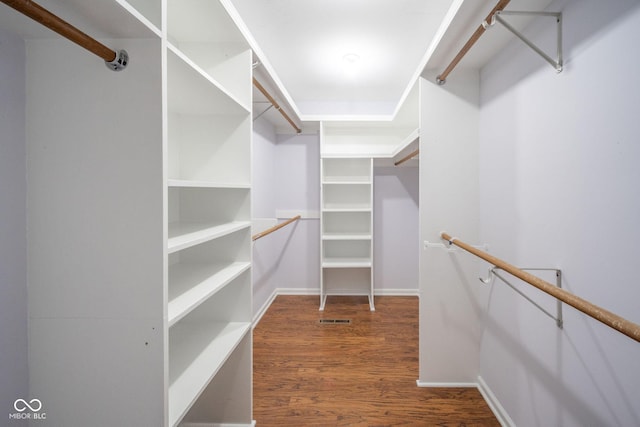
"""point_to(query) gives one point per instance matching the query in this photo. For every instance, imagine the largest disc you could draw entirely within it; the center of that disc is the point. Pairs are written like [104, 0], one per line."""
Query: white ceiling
[301, 44]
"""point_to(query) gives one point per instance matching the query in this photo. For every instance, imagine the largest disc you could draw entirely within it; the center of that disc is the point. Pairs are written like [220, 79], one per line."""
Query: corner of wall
[494, 404]
[14, 369]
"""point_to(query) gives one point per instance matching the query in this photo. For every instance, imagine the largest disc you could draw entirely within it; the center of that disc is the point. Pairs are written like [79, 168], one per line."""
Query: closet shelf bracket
[558, 316]
[263, 111]
[555, 63]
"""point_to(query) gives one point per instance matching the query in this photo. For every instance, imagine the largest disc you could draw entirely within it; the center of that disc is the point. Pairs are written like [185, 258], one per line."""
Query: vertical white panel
[95, 245]
[450, 294]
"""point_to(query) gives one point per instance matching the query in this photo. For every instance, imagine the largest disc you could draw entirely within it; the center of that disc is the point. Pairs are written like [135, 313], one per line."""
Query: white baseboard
[252, 424]
[297, 291]
[281, 291]
[494, 404]
[301, 291]
[447, 385]
[264, 308]
[498, 410]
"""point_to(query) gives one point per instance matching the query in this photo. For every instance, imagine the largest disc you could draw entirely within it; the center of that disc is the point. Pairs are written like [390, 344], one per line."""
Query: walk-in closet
[265, 213]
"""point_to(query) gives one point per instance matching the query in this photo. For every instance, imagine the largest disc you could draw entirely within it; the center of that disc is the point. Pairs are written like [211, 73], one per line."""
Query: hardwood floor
[358, 374]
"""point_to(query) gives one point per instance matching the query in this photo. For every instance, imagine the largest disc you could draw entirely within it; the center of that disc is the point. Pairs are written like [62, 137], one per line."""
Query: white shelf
[183, 183]
[346, 236]
[346, 209]
[190, 284]
[346, 180]
[409, 143]
[208, 211]
[197, 350]
[346, 226]
[343, 196]
[185, 235]
[193, 91]
[184, 287]
[147, 12]
[346, 263]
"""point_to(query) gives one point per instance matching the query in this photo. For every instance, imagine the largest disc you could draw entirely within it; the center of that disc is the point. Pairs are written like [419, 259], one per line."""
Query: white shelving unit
[349, 152]
[140, 233]
[346, 228]
[208, 216]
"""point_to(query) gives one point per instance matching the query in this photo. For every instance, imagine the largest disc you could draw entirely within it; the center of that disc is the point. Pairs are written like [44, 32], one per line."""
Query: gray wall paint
[395, 235]
[13, 271]
[559, 183]
[286, 177]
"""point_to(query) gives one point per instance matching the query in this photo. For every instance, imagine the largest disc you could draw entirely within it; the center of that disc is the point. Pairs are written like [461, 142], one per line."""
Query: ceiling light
[351, 58]
[350, 64]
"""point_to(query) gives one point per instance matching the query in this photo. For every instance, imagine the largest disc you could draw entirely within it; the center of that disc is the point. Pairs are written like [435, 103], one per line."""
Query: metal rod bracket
[556, 63]
[558, 316]
[120, 62]
[264, 111]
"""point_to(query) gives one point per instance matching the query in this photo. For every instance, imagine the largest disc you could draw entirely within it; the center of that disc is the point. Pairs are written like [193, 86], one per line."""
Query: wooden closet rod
[273, 102]
[442, 78]
[115, 60]
[407, 157]
[610, 319]
[275, 228]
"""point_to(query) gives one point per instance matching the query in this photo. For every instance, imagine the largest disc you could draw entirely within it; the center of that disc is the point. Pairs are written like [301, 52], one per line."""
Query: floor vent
[335, 321]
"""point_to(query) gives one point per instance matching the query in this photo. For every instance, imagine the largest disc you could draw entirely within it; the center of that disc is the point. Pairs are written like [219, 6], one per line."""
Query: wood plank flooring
[358, 374]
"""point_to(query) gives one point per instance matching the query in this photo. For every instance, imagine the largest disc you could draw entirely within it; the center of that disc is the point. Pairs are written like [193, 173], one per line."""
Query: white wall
[263, 206]
[286, 177]
[395, 235]
[451, 298]
[559, 183]
[13, 252]
[298, 189]
[95, 234]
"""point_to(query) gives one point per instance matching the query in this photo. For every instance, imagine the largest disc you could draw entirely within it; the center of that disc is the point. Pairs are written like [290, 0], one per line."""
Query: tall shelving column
[139, 243]
[346, 228]
[208, 216]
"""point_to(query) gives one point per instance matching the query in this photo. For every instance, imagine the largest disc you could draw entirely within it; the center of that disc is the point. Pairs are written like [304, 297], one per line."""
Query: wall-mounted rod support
[555, 63]
[275, 228]
[271, 99]
[263, 111]
[442, 77]
[620, 324]
[407, 157]
[558, 316]
[114, 60]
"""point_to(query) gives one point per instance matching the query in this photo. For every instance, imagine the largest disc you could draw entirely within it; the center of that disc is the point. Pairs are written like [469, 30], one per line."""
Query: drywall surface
[13, 240]
[559, 183]
[395, 234]
[95, 233]
[298, 191]
[451, 298]
[266, 250]
[286, 180]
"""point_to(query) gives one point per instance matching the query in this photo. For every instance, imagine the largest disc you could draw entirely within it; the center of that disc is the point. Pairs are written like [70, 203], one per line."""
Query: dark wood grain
[358, 374]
